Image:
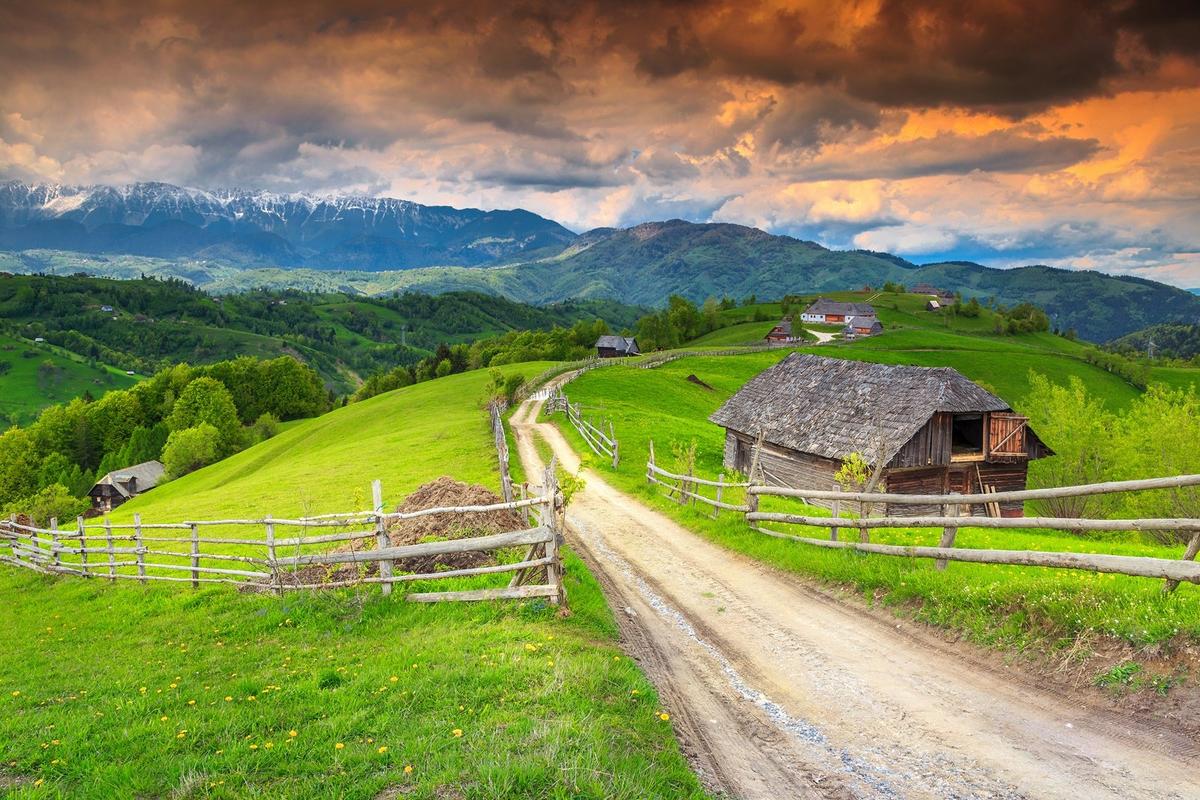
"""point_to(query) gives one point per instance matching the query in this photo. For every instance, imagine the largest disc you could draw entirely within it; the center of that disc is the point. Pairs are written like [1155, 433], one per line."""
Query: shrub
[190, 449]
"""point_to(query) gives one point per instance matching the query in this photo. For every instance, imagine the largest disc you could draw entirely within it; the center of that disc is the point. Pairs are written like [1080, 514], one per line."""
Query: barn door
[1006, 434]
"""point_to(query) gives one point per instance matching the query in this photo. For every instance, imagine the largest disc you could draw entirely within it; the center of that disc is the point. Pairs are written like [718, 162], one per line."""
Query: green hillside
[154, 323]
[222, 694]
[36, 374]
[326, 464]
[648, 263]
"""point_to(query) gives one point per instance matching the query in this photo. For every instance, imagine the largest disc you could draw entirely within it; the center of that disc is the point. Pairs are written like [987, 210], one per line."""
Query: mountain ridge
[230, 241]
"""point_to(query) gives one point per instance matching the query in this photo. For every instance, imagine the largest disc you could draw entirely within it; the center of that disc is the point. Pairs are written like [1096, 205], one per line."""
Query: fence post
[554, 565]
[949, 532]
[1188, 555]
[720, 481]
[112, 556]
[195, 556]
[82, 545]
[55, 555]
[275, 579]
[381, 537]
[141, 550]
[650, 464]
[12, 529]
[612, 437]
[836, 508]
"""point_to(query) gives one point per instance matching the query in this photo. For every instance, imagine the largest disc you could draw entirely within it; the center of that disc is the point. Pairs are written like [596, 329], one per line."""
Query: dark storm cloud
[949, 154]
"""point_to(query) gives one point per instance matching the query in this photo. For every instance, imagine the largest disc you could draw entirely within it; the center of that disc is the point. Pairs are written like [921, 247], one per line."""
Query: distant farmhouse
[861, 326]
[121, 484]
[934, 430]
[617, 346]
[933, 305]
[781, 333]
[925, 288]
[832, 312]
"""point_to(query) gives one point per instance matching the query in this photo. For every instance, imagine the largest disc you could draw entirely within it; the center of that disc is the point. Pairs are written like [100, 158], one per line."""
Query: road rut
[777, 690]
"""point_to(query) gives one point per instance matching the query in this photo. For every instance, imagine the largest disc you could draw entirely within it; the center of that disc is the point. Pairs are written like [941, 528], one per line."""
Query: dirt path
[822, 336]
[779, 691]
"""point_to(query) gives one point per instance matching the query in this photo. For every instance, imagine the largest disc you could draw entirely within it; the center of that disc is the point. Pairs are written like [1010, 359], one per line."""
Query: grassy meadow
[27, 385]
[1013, 608]
[119, 690]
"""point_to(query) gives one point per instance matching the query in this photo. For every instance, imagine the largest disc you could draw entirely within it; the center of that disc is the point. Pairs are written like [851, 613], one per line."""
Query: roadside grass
[1011, 608]
[24, 392]
[481, 700]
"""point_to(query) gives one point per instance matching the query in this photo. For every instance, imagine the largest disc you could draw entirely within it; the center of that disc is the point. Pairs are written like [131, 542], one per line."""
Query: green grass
[1008, 607]
[733, 335]
[548, 707]
[25, 389]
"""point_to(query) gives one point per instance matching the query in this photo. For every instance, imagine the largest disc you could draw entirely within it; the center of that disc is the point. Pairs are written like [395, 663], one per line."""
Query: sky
[1009, 132]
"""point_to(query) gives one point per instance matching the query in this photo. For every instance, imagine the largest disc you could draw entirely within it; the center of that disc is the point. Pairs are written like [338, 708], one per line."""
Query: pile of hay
[442, 493]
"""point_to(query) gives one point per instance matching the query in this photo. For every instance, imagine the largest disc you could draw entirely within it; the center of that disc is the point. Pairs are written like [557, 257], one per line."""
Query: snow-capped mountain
[266, 229]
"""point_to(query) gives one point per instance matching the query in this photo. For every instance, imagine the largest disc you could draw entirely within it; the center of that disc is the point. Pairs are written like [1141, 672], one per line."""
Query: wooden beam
[492, 542]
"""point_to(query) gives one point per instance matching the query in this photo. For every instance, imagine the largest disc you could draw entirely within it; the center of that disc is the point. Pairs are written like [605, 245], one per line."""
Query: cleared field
[119, 690]
[40, 374]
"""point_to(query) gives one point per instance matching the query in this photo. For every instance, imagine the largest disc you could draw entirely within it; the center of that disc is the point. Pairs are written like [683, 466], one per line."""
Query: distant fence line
[688, 487]
[128, 553]
[495, 413]
[597, 440]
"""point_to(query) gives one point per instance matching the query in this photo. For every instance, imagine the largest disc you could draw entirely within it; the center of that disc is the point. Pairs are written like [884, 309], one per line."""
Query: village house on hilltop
[934, 430]
[617, 346]
[833, 312]
[121, 484]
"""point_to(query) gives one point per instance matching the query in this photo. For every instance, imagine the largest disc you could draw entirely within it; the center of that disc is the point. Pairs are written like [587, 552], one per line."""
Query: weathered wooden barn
[121, 484]
[934, 430]
[617, 347]
[781, 333]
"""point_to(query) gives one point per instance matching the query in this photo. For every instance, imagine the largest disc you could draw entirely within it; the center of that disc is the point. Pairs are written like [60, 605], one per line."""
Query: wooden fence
[178, 552]
[688, 487]
[495, 412]
[597, 440]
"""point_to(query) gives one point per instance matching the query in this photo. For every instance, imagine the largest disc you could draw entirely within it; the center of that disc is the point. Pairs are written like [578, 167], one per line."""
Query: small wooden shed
[617, 346]
[934, 430]
[121, 484]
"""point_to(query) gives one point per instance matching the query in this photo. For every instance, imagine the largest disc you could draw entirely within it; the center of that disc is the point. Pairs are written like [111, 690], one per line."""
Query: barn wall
[1006, 477]
[782, 466]
[929, 446]
[927, 480]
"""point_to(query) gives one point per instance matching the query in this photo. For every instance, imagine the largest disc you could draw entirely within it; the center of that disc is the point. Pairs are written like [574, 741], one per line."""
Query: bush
[190, 449]
[54, 501]
[266, 426]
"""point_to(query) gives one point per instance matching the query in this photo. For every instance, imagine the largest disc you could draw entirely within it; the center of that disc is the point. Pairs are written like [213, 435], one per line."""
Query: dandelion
[39, 781]
[16, 694]
[251, 698]
[339, 746]
[383, 749]
[458, 733]
[394, 678]
[269, 745]
[253, 747]
[162, 719]
[664, 716]
[174, 686]
[408, 769]
[180, 735]
[142, 690]
[293, 734]
[220, 752]
[191, 702]
[228, 699]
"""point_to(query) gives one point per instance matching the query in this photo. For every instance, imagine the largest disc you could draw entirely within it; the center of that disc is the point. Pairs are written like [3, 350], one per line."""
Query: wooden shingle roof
[824, 306]
[833, 407]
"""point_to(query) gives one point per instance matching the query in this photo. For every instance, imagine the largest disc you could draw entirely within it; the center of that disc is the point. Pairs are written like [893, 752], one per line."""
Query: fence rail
[684, 487]
[495, 411]
[597, 440]
[282, 563]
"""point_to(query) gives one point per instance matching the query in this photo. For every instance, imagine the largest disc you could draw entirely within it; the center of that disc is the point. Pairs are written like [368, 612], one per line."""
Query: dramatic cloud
[1009, 131]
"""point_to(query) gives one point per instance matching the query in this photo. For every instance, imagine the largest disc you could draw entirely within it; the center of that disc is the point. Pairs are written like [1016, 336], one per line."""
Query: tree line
[185, 416]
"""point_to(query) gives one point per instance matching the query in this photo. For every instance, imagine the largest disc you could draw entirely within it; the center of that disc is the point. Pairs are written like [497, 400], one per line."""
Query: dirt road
[779, 691]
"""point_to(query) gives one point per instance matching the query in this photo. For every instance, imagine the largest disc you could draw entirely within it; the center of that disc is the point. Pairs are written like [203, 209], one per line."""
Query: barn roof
[625, 344]
[148, 474]
[833, 407]
[823, 306]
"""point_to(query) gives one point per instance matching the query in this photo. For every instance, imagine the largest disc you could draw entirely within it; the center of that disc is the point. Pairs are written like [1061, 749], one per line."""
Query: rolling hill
[231, 242]
[34, 375]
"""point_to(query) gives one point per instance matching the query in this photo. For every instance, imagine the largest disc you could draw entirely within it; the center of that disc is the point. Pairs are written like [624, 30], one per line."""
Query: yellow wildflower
[228, 699]
[253, 747]
[383, 749]
[408, 769]
[293, 734]
[269, 745]
[664, 716]
[457, 732]
[339, 746]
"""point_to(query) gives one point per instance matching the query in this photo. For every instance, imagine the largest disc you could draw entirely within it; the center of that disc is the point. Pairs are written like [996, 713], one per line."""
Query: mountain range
[231, 240]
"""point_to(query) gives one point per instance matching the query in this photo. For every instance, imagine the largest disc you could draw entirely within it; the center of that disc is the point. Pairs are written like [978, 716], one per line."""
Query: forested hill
[146, 324]
[1172, 340]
